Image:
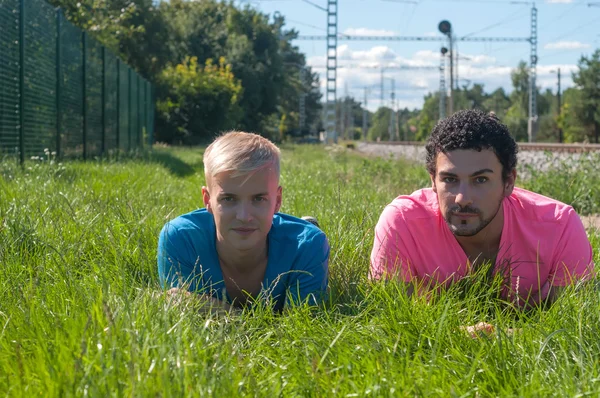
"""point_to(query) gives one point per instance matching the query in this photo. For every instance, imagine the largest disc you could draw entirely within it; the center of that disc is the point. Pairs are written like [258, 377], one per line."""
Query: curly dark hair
[472, 129]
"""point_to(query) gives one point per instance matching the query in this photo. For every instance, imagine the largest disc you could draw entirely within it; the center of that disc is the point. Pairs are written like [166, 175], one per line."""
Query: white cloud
[560, 1]
[479, 60]
[368, 32]
[566, 45]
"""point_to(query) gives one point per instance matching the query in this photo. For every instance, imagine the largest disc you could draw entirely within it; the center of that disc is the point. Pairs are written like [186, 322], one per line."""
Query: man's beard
[483, 222]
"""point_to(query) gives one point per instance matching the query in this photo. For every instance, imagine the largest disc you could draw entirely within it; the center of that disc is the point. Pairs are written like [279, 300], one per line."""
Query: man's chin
[245, 243]
[464, 232]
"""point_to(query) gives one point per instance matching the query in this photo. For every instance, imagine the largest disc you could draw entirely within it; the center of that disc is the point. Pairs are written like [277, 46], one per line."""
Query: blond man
[238, 248]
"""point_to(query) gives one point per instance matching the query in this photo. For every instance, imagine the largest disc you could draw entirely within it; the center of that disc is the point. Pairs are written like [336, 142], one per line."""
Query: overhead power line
[315, 5]
[415, 38]
[510, 18]
[386, 67]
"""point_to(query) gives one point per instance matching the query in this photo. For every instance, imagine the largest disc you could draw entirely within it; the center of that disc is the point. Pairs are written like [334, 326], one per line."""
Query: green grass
[81, 312]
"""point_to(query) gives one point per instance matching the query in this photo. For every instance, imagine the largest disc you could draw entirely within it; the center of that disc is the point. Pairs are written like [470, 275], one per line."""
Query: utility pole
[560, 132]
[443, 53]
[365, 116]
[331, 93]
[451, 99]
[456, 80]
[445, 27]
[342, 127]
[302, 100]
[392, 125]
[532, 122]
[382, 89]
[351, 119]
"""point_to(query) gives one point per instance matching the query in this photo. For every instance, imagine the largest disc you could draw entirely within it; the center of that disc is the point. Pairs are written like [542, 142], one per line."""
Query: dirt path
[591, 221]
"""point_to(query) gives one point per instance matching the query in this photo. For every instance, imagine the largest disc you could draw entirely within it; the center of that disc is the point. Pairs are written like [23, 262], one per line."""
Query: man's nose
[244, 212]
[463, 196]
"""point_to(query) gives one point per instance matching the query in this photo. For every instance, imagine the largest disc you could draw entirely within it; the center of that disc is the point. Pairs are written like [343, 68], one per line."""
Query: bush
[197, 102]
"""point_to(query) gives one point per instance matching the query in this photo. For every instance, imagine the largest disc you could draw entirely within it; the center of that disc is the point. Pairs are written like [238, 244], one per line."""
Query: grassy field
[81, 313]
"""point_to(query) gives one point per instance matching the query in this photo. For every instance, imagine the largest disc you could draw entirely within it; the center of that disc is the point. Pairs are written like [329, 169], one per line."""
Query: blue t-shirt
[298, 254]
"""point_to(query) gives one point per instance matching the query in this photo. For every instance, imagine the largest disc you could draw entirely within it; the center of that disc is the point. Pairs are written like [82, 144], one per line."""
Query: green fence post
[84, 91]
[137, 106]
[58, 80]
[22, 81]
[129, 109]
[103, 100]
[151, 114]
[146, 83]
[118, 104]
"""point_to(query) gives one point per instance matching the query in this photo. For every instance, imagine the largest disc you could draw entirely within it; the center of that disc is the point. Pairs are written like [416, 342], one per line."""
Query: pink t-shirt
[543, 244]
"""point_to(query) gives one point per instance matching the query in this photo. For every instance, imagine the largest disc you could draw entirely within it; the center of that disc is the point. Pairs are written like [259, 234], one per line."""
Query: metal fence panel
[9, 76]
[62, 91]
[40, 78]
[124, 107]
[94, 97]
[151, 115]
[110, 106]
[134, 112]
[71, 118]
[141, 119]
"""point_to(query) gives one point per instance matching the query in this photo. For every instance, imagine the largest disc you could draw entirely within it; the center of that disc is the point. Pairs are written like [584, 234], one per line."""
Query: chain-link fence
[61, 91]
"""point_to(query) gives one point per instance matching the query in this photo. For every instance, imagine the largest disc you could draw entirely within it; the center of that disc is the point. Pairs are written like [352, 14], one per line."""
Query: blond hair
[241, 153]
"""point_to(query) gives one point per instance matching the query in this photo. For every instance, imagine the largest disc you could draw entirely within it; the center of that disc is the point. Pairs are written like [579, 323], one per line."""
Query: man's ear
[509, 184]
[432, 178]
[278, 199]
[206, 199]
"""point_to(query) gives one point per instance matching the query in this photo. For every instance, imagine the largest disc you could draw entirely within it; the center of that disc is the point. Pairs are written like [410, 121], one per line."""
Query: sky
[567, 29]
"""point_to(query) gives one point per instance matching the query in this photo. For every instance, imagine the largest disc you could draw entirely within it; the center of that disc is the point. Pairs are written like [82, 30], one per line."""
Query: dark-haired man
[473, 214]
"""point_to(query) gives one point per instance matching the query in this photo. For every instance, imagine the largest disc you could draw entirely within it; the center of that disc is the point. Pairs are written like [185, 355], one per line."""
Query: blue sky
[567, 29]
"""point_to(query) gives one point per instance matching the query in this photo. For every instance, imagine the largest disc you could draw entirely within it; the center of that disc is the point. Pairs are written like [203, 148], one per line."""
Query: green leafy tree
[197, 102]
[406, 125]
[587, 104]
[151, 38]
[430, 114]
[498, 102]
[379, 130]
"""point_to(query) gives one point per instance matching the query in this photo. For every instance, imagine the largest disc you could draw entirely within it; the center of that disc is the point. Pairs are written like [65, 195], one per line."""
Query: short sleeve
[175, 264]
[573, 258]
[309, 277]
[388, 257]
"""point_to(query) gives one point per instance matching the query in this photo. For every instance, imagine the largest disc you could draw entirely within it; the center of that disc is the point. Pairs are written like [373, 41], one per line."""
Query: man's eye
[481, 180]
[227, 199]
[260, 199]
[449, 180]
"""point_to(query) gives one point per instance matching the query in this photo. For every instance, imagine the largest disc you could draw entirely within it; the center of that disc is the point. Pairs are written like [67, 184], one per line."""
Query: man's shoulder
[537, 207]
[419, 205]
[288, 229]
[197, 222]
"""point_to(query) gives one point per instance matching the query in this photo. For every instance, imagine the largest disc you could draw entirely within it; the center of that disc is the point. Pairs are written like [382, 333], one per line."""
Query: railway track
[523, 146]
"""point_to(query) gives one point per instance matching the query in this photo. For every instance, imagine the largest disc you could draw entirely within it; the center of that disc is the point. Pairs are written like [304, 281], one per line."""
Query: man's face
[470, 189]
[243, 207]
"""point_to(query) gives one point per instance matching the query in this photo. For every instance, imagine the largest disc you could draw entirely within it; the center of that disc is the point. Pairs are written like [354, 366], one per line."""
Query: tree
[587, 105]
[197, 102]
[153, 38]
[498, 102]
[428, 117]
[379, 130]
[350, 114]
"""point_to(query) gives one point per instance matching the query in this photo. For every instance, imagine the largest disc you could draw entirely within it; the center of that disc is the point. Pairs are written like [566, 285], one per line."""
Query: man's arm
[388, 258]
[573, 256]
[309, 279]
[174, 259]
